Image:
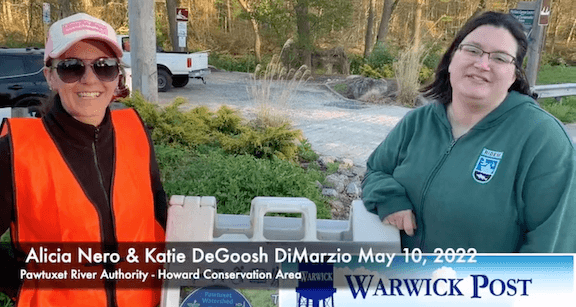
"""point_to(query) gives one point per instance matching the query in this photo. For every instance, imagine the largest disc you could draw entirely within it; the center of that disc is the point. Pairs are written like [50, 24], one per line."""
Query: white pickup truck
[174, 68]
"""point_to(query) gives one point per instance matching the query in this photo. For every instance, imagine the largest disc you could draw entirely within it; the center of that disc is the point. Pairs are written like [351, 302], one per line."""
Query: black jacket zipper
[110, 286]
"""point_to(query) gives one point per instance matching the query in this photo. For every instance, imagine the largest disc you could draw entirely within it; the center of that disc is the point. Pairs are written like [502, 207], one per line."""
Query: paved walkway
[335, 126]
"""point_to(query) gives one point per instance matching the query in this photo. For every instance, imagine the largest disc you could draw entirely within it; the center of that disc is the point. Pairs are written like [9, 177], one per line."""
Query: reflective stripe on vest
[52, 207]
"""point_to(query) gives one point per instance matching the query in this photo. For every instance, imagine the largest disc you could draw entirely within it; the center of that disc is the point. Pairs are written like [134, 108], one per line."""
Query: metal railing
[556, 91]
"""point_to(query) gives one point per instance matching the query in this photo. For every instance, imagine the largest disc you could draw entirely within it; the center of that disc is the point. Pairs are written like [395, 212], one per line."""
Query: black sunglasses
[72, 70]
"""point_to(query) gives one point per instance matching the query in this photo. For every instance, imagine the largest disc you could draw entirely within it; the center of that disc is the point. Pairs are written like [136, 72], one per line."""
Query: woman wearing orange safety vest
[81, 173]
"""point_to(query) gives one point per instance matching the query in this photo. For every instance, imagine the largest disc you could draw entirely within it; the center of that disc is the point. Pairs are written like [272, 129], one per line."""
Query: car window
[11, 65]
[35, 64]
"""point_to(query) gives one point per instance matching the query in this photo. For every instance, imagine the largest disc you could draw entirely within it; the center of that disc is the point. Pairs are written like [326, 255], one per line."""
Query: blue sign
[526, 18]
[215, 296]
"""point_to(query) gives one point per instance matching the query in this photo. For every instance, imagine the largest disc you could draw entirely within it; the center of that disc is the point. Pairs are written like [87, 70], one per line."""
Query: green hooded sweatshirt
[507, 185]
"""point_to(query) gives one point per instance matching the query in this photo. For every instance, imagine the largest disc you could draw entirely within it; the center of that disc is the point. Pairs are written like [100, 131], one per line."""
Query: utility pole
[143, 48]
[536, 40]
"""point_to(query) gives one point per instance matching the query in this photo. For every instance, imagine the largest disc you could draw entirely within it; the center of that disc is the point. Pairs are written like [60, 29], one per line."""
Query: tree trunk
[417, 24]
[65, 8]
[171, 6]
[556, 27]
[385, 21]
[87, 5]
[27, 19]
[258, 42]
[369, 29]
[255, 27]
[571, 32]
[7, 7]
[304, 35]
[229, 16]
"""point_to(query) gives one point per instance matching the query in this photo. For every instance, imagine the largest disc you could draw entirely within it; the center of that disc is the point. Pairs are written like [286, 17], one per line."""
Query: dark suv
[22, 83]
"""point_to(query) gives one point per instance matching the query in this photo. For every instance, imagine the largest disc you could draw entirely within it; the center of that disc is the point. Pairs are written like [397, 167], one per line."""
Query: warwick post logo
[476, 286]
[486, 165]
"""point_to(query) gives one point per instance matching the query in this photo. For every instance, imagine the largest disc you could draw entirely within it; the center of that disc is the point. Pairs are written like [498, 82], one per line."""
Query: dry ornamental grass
[272, 89]
[407, 70]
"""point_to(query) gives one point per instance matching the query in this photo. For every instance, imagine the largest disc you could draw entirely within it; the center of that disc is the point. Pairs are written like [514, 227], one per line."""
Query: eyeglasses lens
[72, 70]
[106, 69]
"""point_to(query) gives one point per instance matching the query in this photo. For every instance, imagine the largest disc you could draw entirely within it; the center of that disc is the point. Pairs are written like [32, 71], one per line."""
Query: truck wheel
[180, 81]
[31, 104]
[164, 81]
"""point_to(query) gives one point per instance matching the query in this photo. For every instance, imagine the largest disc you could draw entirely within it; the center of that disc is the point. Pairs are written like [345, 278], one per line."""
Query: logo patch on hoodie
[486, 166]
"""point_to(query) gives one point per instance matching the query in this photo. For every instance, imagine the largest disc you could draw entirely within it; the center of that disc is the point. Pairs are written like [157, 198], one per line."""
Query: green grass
[556, 74]
[565, 110]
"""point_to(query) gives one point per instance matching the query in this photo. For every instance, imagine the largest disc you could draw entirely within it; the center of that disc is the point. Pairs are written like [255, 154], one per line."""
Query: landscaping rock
[353, 189]
[339, 210]
[346, 164]
[325, 160]
[337, 181]
[329, 192]
[367, 89]
[343, 187]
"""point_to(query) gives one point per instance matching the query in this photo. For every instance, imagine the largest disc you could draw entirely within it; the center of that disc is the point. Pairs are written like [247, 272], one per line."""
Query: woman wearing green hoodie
[483, 166]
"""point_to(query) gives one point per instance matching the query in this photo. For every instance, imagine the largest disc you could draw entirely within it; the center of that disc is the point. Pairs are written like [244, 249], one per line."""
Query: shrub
[235, 179]
[565, 111]
[5, 300]
[381, 55]
[385, 71]
[425, 74]
[356, 62]
[306, 153]
[227, 62]
[269, 143]
[552, 60]
[200, 126]
[332, 168]
[432, 56]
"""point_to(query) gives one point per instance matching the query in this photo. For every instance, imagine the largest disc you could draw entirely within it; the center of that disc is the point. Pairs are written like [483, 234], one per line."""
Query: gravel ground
[334, 126]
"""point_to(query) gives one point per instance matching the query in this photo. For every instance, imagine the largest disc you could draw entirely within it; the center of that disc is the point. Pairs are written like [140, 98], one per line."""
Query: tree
[255, 26]
[65, 8]
[7, 11]
[389, 6]
[304, 36]
[417, 24]
[171, 6]
[369, 29]
[310, 19]
[87, 4]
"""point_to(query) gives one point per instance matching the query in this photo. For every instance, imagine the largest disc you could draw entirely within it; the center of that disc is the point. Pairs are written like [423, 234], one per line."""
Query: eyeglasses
[496, 57]
[72, 70]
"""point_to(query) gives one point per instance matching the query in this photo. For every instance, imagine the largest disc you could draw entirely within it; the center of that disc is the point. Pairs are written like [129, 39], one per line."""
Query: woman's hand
[404, 220]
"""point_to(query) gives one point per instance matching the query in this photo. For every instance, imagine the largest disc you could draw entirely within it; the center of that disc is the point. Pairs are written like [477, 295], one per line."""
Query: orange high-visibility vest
[50, 205]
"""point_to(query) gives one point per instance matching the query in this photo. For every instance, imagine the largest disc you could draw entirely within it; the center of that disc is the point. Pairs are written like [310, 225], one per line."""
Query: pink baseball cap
[66, 32]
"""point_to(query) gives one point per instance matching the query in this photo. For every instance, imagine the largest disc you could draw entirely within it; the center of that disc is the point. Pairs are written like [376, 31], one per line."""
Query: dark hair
[441, 90]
